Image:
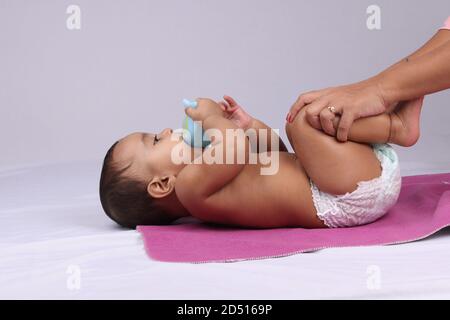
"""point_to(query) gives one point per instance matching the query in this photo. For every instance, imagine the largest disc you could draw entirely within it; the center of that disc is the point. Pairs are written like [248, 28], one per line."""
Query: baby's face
[149, 154]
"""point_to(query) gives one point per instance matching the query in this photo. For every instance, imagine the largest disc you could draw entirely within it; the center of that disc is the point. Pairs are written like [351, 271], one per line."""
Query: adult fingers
[326, 118]
[313, 112]
[301, 101]
[346, 121]
[305, 99]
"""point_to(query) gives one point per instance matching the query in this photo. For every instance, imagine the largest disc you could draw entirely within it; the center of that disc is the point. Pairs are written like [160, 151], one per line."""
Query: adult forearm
[439, 38]
[413, 78]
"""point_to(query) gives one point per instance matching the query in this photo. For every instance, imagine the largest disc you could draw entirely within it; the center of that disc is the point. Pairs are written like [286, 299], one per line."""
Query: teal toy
[195, 137]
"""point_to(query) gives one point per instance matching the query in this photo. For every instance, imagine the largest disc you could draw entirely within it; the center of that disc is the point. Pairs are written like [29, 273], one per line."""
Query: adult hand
[353, 101]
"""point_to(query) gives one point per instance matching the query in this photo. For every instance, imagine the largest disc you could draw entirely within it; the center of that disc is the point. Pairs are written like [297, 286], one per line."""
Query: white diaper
[371, 199]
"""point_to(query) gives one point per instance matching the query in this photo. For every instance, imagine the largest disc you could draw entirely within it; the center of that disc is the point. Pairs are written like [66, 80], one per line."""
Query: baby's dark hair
[125, 199]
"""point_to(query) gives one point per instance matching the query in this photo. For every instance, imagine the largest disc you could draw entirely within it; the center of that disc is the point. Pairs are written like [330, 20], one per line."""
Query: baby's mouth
[177, 135]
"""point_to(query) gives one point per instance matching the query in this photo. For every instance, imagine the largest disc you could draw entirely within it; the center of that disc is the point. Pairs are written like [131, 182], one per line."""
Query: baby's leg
[336, 167]
[401, 127]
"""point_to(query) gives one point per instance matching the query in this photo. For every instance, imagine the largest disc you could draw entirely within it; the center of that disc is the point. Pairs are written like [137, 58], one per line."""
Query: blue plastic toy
[195, 138]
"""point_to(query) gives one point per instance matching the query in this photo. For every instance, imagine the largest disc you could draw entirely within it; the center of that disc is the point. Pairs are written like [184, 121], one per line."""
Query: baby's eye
[156, 139]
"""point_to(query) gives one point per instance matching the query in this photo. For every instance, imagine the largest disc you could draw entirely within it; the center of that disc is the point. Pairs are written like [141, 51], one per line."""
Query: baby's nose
[167, 131]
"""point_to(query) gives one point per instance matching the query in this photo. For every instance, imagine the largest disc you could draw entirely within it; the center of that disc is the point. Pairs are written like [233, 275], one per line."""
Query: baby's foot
[405, 129]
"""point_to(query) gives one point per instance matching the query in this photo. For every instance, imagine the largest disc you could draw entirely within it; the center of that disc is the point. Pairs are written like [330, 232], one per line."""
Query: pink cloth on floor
[446, 24]
[423, 208]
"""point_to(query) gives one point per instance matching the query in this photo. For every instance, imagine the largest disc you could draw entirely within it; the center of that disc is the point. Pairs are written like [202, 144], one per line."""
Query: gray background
[68, 95]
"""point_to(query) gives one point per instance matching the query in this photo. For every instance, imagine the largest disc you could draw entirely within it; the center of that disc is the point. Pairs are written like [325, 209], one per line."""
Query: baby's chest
[255, 200]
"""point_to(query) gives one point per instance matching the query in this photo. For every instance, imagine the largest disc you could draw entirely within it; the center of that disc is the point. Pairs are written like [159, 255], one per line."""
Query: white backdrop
[67, 95]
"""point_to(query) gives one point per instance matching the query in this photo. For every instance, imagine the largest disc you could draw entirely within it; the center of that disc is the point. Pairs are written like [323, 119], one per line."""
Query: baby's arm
[257, 125]
[196, 183]
[243, 120]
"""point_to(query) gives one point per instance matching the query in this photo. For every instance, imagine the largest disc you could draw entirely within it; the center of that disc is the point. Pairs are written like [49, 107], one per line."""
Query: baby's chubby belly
[253, 199]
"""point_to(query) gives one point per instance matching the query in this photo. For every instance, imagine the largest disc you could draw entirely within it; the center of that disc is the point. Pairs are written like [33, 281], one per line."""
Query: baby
[325, 183]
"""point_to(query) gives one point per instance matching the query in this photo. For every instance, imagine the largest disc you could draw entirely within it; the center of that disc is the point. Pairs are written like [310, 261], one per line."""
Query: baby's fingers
[231, 102]
[191, 112]
[224, 106]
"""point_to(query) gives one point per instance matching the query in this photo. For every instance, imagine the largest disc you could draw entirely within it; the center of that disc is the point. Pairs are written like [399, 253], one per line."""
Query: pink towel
[423, 208]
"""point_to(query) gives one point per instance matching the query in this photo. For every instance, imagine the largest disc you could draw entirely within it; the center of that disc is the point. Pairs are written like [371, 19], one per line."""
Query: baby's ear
[161, 187]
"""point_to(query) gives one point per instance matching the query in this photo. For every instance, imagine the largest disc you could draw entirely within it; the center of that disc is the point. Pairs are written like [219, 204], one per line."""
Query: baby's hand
[205, 108]
[235, 113]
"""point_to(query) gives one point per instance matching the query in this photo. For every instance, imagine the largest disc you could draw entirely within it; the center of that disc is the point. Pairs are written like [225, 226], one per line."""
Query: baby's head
[138, 179]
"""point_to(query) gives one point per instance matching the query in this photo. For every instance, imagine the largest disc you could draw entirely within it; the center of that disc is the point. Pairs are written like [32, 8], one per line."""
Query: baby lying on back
[324, 183]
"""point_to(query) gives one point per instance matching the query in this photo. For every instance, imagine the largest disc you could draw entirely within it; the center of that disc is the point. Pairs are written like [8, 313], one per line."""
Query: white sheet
[53, 226]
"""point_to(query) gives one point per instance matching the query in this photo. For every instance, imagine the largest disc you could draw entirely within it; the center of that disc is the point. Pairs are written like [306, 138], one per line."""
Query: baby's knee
[299, 123]
[301, 131]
